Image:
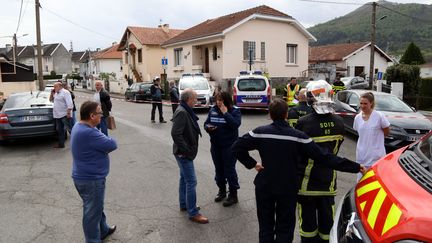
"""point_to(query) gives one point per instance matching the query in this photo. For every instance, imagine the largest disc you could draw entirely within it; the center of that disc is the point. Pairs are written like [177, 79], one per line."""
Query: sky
[91, 24]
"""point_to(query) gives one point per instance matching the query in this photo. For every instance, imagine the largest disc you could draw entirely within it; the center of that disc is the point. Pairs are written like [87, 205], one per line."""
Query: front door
[206, 60]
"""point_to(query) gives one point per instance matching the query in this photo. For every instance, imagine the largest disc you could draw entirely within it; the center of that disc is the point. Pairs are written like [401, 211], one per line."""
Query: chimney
[8, 47]
[114, 43]
[164, 27]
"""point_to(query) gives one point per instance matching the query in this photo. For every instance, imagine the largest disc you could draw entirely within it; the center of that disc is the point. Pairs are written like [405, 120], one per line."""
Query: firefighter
[280, 148]
[338, 85]
[303, 108]
[291, 91]
[317, 183]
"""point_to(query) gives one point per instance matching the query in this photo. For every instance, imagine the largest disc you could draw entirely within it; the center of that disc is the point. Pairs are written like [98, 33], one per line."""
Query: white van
[251, 89]
[201, 86]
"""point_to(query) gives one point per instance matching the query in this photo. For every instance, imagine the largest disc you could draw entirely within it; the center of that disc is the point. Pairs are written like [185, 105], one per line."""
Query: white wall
[426, 72]
[110, 66]
[9, 88]
[362, 58]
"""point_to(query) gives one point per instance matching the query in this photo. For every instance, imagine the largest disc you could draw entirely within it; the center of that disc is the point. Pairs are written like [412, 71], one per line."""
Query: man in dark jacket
[281, 148]
[174, 95]
[102, 97]
[185, 132]
[156, 92]
[317, 183]
[300, 110]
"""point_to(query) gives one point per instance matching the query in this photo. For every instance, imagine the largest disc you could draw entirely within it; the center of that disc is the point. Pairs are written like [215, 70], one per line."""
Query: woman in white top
[372, 126]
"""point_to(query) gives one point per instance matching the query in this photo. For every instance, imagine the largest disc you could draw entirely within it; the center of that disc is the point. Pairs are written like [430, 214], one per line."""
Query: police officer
[302, 109]
[317, 183]
[281, 147]
[291, 91]
[338, 85]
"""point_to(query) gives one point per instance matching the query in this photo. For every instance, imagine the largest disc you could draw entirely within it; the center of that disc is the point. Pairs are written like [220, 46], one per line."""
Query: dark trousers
[276, 215]
[174, 107]
[225, 162]
[157, 104]
[62, 125]
[315, 217]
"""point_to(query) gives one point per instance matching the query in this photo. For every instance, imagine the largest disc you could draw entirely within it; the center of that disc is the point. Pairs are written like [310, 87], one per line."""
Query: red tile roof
[218, 25]
[149, 36]
[109, 53]
[334, 52]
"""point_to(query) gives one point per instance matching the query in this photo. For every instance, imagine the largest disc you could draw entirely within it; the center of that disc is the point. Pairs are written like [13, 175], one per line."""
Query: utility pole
[39, 46]
[372, 53]
[15, 53]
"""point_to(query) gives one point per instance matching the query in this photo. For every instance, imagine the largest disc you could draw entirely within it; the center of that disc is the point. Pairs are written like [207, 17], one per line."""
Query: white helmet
[156, 78]
[321, 93]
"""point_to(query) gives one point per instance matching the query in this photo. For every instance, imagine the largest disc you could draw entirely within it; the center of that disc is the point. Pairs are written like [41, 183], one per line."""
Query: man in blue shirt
[90, 149]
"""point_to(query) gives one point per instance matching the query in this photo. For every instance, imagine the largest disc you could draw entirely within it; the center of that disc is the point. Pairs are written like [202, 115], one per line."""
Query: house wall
[61, 61]
[126, 63]
[362, 58]
[152, 56]
[276, 36]
[109, 66]
[426, 72]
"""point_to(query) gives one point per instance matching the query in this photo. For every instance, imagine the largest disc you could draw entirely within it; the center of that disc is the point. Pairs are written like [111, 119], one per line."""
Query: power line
[332, 2]
[80, 26]
[405, 15]
[19, 18]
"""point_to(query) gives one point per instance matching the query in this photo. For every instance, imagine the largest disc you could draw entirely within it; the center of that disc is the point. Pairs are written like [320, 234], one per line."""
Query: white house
[347, 59]
[221, 47]
[426, 70]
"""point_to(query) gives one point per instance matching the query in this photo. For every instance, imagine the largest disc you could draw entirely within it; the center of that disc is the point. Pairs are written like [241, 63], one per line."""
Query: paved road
[38, 202]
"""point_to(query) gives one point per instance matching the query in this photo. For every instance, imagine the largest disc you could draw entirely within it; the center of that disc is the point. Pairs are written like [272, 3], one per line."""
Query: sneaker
[163, 121]
[153, 121]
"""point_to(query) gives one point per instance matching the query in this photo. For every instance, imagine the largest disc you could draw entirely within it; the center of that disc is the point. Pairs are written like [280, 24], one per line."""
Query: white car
[355, 83]
[201, 86]
[251, 89]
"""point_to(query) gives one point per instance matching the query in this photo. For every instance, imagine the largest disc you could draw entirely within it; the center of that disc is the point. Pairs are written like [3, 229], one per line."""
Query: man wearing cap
[156, 92]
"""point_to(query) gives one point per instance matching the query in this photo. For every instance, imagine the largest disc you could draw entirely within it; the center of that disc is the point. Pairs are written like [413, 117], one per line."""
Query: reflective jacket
[290, 94]
[327, 130]
[298, 111]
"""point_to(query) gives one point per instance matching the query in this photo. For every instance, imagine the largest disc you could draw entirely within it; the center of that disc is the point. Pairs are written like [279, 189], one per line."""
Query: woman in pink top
[372, 126]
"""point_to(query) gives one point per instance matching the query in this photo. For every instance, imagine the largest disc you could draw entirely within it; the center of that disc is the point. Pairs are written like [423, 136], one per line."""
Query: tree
[412, 55]
[409, 75]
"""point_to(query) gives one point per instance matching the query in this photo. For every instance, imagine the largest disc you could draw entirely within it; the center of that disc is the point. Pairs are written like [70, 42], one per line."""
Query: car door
[354, 108]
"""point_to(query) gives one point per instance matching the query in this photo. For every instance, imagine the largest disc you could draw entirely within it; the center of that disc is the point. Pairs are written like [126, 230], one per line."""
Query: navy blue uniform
[281, 149]
[225, 134]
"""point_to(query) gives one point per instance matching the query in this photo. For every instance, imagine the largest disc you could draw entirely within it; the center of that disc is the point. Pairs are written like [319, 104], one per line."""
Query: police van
[251, 89]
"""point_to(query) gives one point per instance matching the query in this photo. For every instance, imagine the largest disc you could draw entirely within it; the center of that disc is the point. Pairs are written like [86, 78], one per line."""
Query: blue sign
[164, 61]
[379, 75]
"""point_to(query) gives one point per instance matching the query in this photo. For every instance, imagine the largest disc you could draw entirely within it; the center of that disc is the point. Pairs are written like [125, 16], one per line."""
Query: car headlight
[395, 130]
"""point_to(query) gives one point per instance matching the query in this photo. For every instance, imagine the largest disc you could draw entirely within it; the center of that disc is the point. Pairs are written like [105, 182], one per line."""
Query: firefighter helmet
[320, 93]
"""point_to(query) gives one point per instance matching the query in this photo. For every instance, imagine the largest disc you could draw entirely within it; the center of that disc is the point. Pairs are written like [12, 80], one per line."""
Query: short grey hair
[187, 94]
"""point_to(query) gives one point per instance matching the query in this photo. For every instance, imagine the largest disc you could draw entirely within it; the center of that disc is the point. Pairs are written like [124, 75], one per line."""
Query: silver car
[355, 83]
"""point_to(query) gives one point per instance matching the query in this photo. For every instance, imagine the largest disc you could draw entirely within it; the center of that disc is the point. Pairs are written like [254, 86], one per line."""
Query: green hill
[393, 33]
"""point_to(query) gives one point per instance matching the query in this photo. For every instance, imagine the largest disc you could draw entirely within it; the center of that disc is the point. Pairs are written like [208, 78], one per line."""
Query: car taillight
[234, 94]
[4, 119]
[269, 93]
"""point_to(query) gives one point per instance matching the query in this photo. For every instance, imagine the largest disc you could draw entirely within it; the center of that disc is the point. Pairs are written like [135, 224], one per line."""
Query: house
[347, 59]
[15, 77]
[55, 57]
[221, 47]
[76, 59]
[109, 61]
[142, 51]
[426, 70]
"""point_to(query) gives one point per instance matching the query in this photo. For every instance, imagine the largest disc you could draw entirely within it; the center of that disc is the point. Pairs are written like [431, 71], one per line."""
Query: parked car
[27, 114]
[139, 91]
[201, 86]
[391, 203]
[406, 125]
[355, 83]
[251, 89]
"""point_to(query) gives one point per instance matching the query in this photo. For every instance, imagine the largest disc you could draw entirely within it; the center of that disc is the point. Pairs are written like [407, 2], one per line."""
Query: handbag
[111, 123]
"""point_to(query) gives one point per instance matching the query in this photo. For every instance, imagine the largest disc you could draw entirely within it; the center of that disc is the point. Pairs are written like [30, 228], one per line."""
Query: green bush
[426, 94]
[409, 75]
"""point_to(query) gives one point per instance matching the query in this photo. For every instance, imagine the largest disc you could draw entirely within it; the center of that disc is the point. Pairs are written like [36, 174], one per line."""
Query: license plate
[251, 100]
[413, 139]
[32, 118]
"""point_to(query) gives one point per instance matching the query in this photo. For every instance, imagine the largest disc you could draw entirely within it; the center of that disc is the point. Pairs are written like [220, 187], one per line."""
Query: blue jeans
[61, 125]
[94, 223]
[103, 126]
[187, 186]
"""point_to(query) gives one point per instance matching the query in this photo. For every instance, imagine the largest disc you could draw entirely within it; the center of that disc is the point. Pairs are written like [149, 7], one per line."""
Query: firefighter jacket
[281, 148]
[296, 112]
[338, 86]
[326, 130]
[290, 94]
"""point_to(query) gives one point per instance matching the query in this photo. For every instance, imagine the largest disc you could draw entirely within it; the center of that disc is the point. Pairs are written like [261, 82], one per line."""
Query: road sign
[164, 61]
[379, 75]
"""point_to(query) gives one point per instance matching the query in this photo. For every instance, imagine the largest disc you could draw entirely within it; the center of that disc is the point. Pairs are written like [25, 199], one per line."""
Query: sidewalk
[113, 95]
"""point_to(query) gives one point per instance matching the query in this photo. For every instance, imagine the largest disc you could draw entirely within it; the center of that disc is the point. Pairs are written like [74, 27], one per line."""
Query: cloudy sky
[98, 23]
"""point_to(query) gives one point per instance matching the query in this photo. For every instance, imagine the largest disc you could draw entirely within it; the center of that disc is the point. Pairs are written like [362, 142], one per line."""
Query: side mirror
[414, 109]
[354, 106]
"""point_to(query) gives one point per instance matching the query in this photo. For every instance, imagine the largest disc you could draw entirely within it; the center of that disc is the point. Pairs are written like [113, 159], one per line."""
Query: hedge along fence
[423, 100]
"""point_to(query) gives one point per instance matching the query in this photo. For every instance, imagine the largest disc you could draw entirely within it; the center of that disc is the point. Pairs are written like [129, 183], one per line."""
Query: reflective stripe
[306, 176]
[367, 188]
[280, 137]
[299, 211]
[291, 94]
[333, 182]
[324, 236]
[367, 175]
[292, 122]
[309, 234]
[376, 207]
[329, 138]
[392, 218]
[317, 193]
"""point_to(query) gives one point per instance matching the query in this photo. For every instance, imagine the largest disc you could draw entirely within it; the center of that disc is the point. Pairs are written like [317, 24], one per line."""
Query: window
[247, 47]
[139, 55]
[178, 56]
[262, 50]
[251, 84]
[126, 58]
[214, 53]
[291, 53]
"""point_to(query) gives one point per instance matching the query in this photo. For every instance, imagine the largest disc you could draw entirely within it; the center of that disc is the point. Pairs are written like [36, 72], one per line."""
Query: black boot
[221, 194]
[232, 198]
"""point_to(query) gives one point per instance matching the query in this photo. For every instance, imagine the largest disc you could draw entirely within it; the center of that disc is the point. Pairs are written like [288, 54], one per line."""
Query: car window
[145, 87]
[390, 103]
[27, 100]
[196, 84]
[353, 99]
[342, 96]
[251, 84]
